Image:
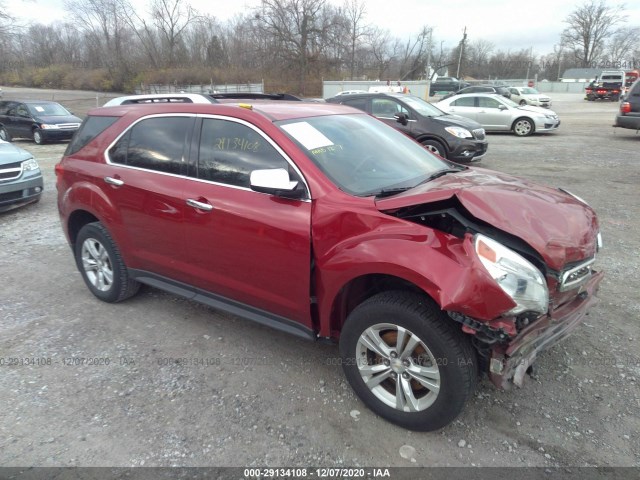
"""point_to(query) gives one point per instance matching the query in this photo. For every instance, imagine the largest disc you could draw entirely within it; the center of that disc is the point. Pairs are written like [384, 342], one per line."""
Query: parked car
[498, 114]
[449, 136]
[324, 222]
[529, 96]
[20, 177]
[40, 120]
[446, 84]
[209, 98]
[500, 90]
[629, 114]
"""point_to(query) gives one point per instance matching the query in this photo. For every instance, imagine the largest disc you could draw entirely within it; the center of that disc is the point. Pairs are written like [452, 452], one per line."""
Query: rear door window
[464, 102]
[155, 144]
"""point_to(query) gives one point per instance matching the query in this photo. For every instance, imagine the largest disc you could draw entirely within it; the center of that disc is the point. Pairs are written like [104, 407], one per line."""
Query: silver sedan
[499, 114]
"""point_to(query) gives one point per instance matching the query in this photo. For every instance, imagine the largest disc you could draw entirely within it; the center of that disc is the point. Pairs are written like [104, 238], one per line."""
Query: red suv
[326, 223]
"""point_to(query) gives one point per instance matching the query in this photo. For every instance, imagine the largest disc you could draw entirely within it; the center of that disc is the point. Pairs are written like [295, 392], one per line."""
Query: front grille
[478, 133]
[576, 275]
[69, 126]
[10, 171]
[5, 197]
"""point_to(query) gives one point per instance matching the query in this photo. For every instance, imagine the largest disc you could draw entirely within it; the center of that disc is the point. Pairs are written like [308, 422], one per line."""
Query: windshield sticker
[307, 135]
[39, 109]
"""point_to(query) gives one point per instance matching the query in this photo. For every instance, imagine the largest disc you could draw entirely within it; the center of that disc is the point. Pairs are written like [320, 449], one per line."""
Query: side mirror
[402, 118]
[502, 107]
[275, 181]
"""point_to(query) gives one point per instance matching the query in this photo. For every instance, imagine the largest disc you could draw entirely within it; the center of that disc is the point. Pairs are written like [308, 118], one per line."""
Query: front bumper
[469, 150]
[18, 193]
[509, 362]
[57, 135]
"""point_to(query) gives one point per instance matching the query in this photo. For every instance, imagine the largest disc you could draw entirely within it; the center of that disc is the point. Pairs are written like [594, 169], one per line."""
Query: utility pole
[426, 96]
[464, 38]
[526, 77]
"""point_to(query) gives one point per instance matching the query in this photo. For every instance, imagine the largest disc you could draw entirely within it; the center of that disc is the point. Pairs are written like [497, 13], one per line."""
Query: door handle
[199, 205]
[113, 181]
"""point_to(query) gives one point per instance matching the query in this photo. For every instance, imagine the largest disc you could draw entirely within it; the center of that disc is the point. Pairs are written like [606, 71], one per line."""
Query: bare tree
[355, 13]
[589, 26]
[296, 28]
[620, 48]
[172, 17]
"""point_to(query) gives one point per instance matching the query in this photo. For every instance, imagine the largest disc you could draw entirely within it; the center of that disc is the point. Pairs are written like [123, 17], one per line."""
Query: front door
[246, 246]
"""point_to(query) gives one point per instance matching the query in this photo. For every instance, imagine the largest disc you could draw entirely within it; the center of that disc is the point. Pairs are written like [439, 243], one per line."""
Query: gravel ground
[257, 397]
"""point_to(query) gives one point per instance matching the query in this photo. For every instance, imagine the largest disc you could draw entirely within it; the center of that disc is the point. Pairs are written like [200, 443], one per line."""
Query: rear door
[250, 247]
[144, 180]
[18, 121]
[464, 106]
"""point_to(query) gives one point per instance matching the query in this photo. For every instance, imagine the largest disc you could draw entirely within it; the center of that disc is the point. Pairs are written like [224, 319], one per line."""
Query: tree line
[292, 45]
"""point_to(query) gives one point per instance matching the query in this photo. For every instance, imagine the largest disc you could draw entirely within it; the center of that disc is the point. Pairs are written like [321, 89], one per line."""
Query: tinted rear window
[90, 129]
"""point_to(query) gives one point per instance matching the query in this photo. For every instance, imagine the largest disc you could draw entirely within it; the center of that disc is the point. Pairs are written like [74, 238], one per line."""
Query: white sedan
[499, 114]
[529, 96]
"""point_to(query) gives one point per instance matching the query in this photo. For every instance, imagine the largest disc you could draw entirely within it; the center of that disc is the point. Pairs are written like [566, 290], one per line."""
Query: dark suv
[39, 120]
[323, 222]
[446, 84]
[450, 136]
[629, 115]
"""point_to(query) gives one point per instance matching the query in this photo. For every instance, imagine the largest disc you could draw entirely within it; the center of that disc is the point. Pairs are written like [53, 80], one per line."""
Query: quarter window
[230, 151]
[155, 144]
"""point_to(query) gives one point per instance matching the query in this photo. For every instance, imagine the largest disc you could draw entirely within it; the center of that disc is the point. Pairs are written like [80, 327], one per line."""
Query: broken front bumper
[509, 362]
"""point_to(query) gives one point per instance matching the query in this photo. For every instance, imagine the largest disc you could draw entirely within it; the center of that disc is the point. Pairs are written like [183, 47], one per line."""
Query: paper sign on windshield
[308, 136]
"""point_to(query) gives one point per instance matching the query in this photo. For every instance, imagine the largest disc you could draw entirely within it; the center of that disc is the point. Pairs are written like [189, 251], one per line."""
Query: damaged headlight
[518, 278]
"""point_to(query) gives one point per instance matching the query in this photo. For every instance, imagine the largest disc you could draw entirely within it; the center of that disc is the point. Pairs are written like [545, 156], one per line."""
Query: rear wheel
[101, 265]
[38, 138]
[435, 147]
[4, 135]
[523, 127]
[407, 361]
[523, 102]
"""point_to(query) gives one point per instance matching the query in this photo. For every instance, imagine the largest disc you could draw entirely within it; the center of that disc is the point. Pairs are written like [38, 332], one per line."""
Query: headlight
[459, 132]
[29, 165]
[515, 275]
[47, 126]
[599, 243]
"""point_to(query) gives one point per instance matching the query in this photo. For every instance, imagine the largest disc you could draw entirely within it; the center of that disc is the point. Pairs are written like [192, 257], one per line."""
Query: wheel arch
[440, 140]
[77, 220]
[363, 287]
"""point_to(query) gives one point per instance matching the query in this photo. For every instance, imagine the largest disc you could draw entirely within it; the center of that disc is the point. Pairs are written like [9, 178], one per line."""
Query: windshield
[422, 107]
[361, 155]
[48, 109]
[529, 91]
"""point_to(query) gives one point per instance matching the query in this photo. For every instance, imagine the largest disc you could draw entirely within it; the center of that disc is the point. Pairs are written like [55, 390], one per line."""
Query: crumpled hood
[559, 227]
[9, 153]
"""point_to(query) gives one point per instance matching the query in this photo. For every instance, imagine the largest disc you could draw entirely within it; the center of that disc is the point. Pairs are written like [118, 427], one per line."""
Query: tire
[523, 127]
[523, 102]
[440, 355]
[4, 135]
[38, 138]
[101, 265]
[435, 146]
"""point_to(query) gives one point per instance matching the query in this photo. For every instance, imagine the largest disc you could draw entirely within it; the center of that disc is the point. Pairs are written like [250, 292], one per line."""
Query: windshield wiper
[439, 174]
[387, 192]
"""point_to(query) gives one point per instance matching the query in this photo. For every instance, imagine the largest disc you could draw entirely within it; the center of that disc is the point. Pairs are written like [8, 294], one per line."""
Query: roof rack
[256, 96]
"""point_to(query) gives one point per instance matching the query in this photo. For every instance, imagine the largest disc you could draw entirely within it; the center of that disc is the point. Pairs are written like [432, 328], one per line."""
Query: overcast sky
[508, 25]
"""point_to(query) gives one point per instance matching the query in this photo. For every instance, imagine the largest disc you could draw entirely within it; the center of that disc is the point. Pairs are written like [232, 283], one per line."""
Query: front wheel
[523, 127]
[407, 361]
[4, 135]
[101, 265]
[38, 138]
[435, 147]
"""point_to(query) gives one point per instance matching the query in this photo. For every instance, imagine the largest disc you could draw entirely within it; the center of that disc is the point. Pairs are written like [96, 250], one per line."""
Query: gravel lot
[264, 398]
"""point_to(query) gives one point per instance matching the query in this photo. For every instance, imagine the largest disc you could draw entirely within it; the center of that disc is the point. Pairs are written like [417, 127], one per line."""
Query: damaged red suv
[324, 222]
